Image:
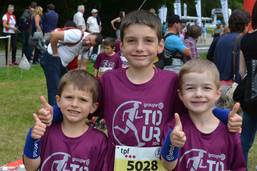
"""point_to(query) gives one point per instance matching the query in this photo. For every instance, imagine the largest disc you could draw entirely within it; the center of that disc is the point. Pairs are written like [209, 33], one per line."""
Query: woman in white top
[10, 29]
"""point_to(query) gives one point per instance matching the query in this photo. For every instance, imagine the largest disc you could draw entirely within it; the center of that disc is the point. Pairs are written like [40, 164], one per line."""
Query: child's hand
[235, 120]
[178, 137]
[39, 128]
[45, 113]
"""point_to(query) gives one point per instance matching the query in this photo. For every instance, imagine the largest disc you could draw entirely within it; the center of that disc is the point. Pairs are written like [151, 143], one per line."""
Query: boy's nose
[198, 92]
[140, 46]
[74, 102]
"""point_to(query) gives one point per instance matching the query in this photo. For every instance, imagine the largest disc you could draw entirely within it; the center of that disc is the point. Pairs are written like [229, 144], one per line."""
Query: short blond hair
[199, 66]
[38, 11]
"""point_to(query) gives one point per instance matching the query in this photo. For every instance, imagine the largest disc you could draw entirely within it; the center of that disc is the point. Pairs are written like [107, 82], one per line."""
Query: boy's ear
[218, 93]
[161, 46]
[58, 99]
[94, 107]
[179, 94]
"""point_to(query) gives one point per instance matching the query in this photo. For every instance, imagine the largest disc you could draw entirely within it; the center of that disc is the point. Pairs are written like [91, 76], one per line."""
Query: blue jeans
[53, 70]
[249, 129]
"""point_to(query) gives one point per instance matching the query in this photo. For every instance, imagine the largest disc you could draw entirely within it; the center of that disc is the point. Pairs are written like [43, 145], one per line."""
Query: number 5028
[142, 165]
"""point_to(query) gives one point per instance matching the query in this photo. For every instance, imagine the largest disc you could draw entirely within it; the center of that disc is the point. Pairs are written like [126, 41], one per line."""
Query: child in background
[138, 101]
[199, 141]
[191, 36]
[108, 59]
[70, 144]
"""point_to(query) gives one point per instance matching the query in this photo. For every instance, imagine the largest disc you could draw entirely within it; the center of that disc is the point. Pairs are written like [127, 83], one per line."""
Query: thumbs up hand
[235, 120]
[39, 128]
[178, 137]
[45, 113]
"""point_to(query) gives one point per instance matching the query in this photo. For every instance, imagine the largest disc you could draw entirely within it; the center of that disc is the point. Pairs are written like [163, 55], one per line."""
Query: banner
[185, 10]
[224, 6]
[163, 13]
[198, 12]
[177, 8]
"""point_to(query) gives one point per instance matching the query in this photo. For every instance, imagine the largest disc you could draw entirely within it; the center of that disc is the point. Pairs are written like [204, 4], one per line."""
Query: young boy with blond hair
[199, 141]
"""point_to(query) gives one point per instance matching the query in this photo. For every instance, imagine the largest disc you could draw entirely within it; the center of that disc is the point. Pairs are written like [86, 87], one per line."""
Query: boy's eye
[149, 40]
[189, 88]
[207, 88]
[83, 99]
[130, 40]
[68, 97]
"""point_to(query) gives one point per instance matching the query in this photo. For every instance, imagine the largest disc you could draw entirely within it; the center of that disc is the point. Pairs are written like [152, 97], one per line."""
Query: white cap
[94, 11]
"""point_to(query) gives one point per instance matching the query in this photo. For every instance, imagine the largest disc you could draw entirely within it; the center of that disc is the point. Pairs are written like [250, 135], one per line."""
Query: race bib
[137, 158]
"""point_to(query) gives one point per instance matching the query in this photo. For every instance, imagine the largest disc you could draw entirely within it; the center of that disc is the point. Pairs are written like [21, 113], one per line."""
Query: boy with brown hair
[70, 144]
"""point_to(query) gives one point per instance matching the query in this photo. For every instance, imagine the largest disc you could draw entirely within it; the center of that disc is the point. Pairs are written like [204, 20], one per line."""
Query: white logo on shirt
[200, 159]
[61, 161]
[142, 120]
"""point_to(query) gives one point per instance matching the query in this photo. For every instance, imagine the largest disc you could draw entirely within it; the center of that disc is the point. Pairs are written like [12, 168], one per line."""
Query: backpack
[166, 57]
[24, 21]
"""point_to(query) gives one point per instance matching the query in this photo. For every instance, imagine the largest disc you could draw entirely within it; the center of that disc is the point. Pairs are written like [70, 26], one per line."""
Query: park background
[20, 89]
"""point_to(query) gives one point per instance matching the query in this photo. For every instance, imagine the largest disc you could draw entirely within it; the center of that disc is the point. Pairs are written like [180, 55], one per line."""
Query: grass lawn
[19, 99]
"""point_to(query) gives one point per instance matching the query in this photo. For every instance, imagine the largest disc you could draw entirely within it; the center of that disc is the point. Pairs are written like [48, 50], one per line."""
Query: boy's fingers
[36, 118]
[44, 103]
[178, 123]
[234, 110]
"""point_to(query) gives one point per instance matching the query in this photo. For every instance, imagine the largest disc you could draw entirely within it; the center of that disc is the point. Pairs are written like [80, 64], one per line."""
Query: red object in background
[248, 6]
[73, 64]
[15, 163]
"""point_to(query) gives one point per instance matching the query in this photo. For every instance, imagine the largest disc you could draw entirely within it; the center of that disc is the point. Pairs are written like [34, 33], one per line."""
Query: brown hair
[144, 18]
[82, 80]
[199, 66]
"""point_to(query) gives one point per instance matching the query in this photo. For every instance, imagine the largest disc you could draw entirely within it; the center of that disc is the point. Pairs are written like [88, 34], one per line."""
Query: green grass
[19, 95]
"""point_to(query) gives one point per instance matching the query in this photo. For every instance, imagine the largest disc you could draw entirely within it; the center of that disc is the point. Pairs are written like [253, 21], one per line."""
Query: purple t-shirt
[218, 151]
[138, 115]
[59, 152]
[104, 62]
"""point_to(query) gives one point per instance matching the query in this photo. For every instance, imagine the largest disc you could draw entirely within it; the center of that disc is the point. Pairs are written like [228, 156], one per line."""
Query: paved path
[2, 57]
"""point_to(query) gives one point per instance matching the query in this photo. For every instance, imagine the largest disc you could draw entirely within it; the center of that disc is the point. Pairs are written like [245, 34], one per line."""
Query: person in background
[116, 24]
[64, 46]
[37, 33]
[248, 47]
[25, 27]
[78, 18]
[94, 25]
[193, 32]
[49, 22]
[10, 29]
[71, 144]
[223, 58]
[108, 59]
[187, 145]
[218, 30]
